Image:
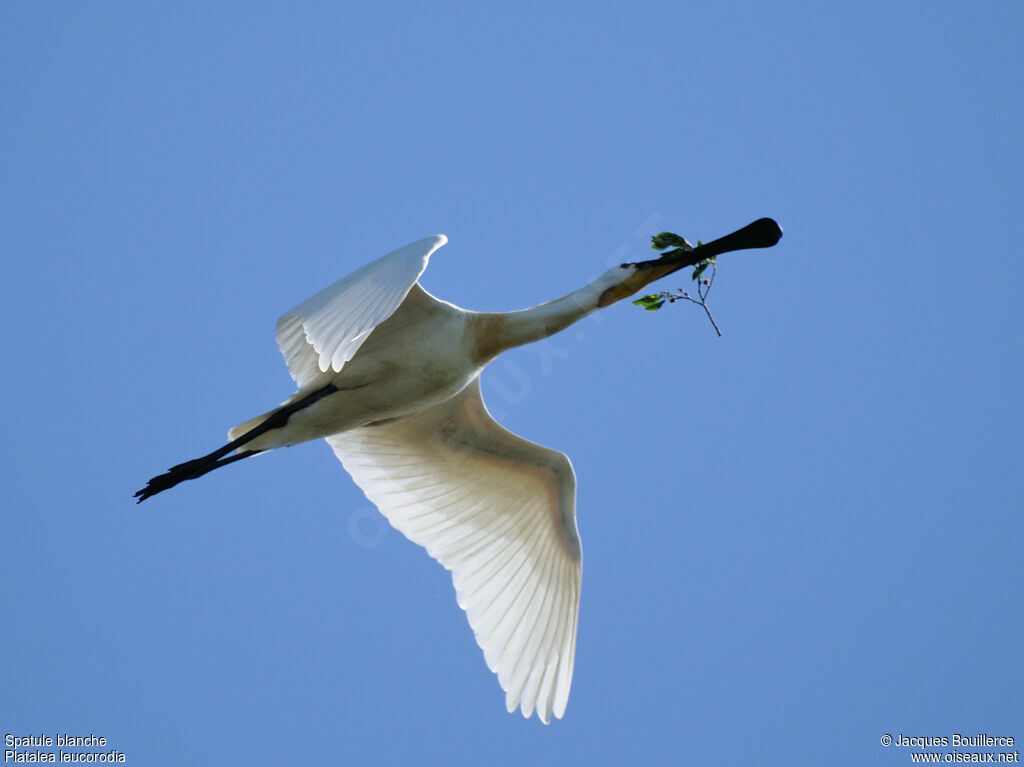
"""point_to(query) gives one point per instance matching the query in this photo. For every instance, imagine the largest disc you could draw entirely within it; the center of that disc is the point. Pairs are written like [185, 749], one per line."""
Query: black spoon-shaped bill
[762, 233]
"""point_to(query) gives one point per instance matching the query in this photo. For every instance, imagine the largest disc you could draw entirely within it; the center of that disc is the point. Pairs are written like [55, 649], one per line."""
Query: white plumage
[499, 512]
[390, 377]
[495, 509]
[337, 320]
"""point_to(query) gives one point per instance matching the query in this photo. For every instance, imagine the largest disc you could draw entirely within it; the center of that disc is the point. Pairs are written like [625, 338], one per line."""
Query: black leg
[200, 466]
[188, 470]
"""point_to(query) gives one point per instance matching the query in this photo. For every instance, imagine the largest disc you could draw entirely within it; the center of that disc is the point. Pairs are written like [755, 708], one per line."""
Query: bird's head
[626, 279]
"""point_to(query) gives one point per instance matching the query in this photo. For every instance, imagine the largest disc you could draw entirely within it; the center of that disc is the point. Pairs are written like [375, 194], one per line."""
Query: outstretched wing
[498, 511]
[325, 331]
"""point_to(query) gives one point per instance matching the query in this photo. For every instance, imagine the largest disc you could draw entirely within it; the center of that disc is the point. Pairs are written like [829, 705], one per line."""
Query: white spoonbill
[390, 377]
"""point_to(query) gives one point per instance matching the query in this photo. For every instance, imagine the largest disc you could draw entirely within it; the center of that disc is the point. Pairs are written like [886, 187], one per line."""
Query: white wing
[325, 331]
[498, 511]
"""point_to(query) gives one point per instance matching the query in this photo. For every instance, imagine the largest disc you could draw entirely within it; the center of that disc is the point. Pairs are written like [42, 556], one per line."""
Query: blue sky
[798, 537]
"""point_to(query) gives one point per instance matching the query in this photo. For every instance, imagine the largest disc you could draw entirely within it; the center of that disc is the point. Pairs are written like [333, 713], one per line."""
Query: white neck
[498, 331]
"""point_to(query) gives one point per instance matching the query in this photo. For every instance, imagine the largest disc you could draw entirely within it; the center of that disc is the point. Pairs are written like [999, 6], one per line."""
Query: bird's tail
[244, 428]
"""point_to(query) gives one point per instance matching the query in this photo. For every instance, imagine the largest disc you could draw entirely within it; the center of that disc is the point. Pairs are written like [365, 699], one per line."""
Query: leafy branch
[672, 245]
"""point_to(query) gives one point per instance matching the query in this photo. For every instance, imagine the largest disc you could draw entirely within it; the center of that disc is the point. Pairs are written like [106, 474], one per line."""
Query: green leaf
[650, 303]
[663, 240]
[700, 269]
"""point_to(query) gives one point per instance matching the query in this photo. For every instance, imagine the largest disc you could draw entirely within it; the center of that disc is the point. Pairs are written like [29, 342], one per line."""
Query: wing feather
[325, 331]
[497, 511]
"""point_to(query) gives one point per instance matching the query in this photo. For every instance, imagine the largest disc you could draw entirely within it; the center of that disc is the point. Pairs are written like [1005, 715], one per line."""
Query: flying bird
[389, 375]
